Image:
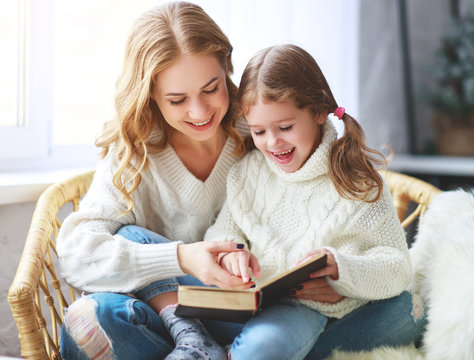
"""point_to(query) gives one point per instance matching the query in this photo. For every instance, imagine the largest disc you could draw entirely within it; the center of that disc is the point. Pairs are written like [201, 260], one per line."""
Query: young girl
[305, 192]
[159, 186]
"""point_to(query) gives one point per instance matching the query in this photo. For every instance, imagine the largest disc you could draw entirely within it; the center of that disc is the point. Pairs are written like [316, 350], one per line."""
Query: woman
[165, 160]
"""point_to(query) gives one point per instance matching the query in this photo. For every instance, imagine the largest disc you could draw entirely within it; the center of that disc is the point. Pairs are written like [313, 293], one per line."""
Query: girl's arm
[373, 260]
[225, 228]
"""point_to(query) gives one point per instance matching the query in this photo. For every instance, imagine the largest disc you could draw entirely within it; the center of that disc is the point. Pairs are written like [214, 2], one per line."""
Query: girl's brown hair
[289, 73]
[158, 37]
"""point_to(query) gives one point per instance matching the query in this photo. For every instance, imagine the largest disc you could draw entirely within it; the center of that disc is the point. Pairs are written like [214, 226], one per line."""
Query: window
[62, 59]
[24, 109]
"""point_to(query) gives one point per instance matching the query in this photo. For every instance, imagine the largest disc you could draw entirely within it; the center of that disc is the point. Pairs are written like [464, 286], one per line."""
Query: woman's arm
[94, 258]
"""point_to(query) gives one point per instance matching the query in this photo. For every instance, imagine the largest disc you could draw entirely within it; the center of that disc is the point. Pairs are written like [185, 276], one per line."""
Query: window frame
[29, 147]
[31, 140]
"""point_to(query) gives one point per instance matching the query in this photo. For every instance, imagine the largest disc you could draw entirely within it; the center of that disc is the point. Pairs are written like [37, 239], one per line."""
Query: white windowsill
[19, 187]
[23, 180]
[433, 165]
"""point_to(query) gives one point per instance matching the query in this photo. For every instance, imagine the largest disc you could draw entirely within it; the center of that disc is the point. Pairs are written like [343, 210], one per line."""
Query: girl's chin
[287, 167]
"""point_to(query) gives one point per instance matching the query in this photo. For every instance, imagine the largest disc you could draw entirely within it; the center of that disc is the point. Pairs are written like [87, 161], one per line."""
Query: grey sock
[191, 338]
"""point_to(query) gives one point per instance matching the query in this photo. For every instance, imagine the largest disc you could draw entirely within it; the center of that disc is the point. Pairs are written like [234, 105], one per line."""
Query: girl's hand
[318, 289]
[238, 264]
[199, 259]
[329, 270]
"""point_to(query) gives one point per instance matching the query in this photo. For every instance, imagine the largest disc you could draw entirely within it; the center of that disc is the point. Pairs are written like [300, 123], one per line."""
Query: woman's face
[192, 96]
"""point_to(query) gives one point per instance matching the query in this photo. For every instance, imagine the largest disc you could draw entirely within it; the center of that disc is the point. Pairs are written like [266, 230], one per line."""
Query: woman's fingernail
[292, 292]
[299, 287]
[253, 286]
[240, 246]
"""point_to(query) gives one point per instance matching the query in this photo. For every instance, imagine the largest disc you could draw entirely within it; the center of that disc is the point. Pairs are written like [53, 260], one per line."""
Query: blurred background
[403, 68]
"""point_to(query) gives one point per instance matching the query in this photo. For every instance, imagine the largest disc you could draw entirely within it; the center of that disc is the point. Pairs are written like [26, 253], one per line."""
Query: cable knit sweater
[282, 216]
[169, 201]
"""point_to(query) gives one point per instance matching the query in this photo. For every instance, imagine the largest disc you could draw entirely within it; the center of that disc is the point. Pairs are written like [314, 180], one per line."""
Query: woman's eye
[177, 102]
[260, 132]
[286, 128]
[212, 91]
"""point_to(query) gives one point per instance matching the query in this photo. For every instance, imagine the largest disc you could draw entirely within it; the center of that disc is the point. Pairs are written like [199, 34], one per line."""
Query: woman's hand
[238, 264]
[199, 259]
[318, 289]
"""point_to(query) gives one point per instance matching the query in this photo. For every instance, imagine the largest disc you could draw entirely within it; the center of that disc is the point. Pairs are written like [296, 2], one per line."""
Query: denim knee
[113, 326]
[82, 336]
[141, 235]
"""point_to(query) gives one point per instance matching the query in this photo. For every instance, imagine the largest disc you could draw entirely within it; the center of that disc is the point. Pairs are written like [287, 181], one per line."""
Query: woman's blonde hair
[289, 73]
[158, 37]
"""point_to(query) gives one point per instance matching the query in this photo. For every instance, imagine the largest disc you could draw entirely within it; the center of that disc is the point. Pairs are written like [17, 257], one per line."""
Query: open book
[239, 305]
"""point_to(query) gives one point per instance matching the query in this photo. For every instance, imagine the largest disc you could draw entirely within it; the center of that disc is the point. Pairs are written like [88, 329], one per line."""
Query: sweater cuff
[158, 261]
[342, 284]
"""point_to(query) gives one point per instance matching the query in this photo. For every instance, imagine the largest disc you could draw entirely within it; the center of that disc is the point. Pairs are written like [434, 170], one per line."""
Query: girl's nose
[273, 139]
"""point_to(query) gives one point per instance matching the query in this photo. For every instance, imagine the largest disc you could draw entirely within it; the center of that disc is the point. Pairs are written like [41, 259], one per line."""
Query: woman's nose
[198, 110]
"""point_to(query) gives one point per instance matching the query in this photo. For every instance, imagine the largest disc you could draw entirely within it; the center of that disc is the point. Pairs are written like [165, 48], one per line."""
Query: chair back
[407, 190]
[36, 290]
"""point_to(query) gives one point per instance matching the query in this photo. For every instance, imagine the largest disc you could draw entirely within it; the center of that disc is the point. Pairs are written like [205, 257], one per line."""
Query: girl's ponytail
[352, 164]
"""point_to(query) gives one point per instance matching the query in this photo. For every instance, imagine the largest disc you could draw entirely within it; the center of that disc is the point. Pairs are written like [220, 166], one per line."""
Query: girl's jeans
[125, 327]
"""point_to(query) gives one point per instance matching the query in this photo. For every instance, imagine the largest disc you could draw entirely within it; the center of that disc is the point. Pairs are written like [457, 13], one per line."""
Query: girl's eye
[212, 91]
[260, 132]
[177, 102]
[286, 128]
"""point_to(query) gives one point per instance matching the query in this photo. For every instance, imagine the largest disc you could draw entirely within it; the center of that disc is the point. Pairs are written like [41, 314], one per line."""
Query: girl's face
[192, 96]
[284, 133]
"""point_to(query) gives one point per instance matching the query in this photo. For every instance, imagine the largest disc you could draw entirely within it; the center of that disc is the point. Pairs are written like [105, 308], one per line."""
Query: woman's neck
[199, 157]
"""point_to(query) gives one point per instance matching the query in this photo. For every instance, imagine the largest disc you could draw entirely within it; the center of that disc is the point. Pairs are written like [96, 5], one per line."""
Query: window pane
[9, 61]
[89, 42]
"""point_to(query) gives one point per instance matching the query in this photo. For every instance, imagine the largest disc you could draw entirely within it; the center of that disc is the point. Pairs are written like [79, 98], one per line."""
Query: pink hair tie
[339, 112]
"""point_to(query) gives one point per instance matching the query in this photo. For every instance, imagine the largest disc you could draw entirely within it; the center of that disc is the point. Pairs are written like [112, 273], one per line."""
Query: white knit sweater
[169, 201]
[282, 216]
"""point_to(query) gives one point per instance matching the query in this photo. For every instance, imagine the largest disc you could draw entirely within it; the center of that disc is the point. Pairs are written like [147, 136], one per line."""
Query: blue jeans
[135, 331]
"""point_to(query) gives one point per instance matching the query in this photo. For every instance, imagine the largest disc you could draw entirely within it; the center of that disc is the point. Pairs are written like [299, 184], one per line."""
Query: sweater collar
[318, 162]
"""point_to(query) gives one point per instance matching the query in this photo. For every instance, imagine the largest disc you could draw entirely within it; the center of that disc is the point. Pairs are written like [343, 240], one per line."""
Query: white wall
[328, 30]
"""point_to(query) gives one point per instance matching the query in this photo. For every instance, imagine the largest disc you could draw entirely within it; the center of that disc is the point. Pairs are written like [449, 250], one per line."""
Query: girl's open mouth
[284, 157]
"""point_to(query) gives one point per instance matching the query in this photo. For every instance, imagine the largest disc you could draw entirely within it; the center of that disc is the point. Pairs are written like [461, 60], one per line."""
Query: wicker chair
[36, 285]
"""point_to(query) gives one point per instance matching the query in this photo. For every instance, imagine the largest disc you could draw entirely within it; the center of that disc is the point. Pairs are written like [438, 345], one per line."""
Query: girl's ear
[321, 118]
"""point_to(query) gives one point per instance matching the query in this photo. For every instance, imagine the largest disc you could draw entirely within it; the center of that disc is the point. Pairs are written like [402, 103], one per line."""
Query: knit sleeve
[94, 258]
[374, 261]
[225, 228]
